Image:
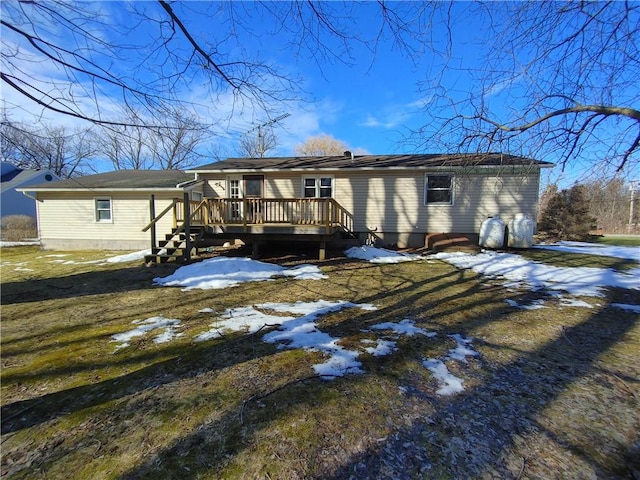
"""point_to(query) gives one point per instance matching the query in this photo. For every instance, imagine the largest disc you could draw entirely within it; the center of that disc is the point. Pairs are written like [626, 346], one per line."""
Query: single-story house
[390, 199]
[394, 200]
[108, 210]
[12, 201]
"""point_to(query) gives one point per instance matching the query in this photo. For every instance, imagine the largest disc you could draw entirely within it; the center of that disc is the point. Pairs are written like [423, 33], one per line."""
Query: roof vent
[347, 153]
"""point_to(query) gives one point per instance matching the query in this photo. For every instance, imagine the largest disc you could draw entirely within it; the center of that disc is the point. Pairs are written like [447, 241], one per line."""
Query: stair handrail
[162, 214]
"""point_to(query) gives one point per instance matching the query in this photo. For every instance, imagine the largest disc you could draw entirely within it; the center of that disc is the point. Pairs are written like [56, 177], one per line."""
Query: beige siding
[68, 219]
[393, 201]
[283, 186]
[215, 187]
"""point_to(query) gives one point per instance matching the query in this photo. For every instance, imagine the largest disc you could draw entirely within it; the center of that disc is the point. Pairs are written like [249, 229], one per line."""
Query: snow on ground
[629, 253]
[296, 322]
[582, 281]
[19, 244]
[301, 332]
[128, 257]
[534, 305]
[405, 327]
[625, 306]
[222, 272]
[449, 383]
[380, 255]
[145, 326]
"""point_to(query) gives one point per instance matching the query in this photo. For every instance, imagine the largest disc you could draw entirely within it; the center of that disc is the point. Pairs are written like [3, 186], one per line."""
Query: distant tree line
[598, 206]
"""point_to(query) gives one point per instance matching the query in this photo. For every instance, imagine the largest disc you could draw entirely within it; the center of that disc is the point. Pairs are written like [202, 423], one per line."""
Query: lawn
[106, 374]
[624, 240]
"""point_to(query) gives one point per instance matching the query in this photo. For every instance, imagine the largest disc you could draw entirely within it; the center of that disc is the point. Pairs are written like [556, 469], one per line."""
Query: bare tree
[177, 147]
[139, 148]
[126, 147]
[609, 204]
[257, 144]
[76, 59]
[46, 148]
[321, 145]
[566, 73]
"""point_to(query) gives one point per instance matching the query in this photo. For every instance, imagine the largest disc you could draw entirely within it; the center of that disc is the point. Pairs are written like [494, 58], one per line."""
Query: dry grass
[554, 394]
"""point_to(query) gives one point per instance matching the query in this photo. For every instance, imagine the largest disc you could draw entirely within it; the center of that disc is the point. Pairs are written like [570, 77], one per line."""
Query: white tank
[492, 233]
[520, 232]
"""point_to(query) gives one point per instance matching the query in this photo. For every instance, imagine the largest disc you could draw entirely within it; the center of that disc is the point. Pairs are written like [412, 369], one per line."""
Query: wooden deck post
[327, 225]
[187, 227]
[152, 215]
[323, 251]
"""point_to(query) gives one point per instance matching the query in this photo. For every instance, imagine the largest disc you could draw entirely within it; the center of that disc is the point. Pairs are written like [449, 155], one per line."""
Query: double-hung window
[318, 187]
[103, 210]
[438, 189]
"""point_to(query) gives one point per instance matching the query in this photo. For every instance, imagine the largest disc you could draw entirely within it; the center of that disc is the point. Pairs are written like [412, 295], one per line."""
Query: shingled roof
[369, 162]
[120, 180]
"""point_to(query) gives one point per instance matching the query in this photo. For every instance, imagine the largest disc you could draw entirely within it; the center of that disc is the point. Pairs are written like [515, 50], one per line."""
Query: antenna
[261, 146]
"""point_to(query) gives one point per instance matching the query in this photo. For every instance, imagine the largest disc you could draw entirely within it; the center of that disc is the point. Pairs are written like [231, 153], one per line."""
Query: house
[108, 210]
[391, 200]
[387, 199]
[14, 202]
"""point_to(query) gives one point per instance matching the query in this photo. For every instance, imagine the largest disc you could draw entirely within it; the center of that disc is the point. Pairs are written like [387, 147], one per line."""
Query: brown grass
[554, 393]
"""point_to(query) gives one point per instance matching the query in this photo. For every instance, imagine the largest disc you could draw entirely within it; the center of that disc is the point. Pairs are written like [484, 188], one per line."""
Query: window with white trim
[438, 189]
[317, 187]
[103, 210]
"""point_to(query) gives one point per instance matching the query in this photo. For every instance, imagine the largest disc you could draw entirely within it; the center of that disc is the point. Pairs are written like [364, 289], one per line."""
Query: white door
[235, 191]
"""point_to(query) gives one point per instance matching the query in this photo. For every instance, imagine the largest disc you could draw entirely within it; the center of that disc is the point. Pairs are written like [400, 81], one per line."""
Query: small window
[321, 187]
[438, 190]
[103, 210]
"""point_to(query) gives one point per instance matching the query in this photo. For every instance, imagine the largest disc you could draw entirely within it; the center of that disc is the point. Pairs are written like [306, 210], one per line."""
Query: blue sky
[370, 101]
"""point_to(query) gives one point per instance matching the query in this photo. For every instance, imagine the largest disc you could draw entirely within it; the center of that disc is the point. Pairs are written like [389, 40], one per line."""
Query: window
[253, 186]
[103, 210]
[321, 187]
[438, 190]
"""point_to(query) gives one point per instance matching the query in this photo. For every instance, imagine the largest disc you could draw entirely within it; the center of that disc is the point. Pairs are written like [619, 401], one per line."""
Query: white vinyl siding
[394, 200]
[70, 219]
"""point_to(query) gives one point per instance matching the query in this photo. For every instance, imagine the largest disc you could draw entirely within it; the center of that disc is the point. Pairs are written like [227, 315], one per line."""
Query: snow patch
[405, 327]
[223, 272]
[145, 326]
[380, 255]
[625, 306]
[582, 281]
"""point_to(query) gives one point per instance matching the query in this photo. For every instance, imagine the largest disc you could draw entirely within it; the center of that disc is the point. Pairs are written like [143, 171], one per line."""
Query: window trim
[96, 209]
[318, 181]
[451, 188]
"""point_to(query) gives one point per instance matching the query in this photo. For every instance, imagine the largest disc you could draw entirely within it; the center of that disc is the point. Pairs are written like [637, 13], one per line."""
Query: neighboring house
[14, 202]
[108, 210]
[390, 199]
[398, 200]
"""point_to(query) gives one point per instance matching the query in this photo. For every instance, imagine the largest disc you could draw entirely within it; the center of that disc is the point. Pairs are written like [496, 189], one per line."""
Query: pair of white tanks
[519, 232]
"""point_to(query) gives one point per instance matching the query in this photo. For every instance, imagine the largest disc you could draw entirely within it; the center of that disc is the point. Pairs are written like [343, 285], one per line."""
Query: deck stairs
[178, 246]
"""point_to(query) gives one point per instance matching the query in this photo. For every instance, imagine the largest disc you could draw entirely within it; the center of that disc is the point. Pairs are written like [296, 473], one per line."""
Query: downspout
[26, 194]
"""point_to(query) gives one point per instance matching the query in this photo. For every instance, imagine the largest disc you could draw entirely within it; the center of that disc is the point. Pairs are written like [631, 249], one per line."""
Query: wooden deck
[254, 219]
[262, 215]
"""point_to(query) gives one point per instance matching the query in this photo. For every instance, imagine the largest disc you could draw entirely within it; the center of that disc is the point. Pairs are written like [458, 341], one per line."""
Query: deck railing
[303, 212]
